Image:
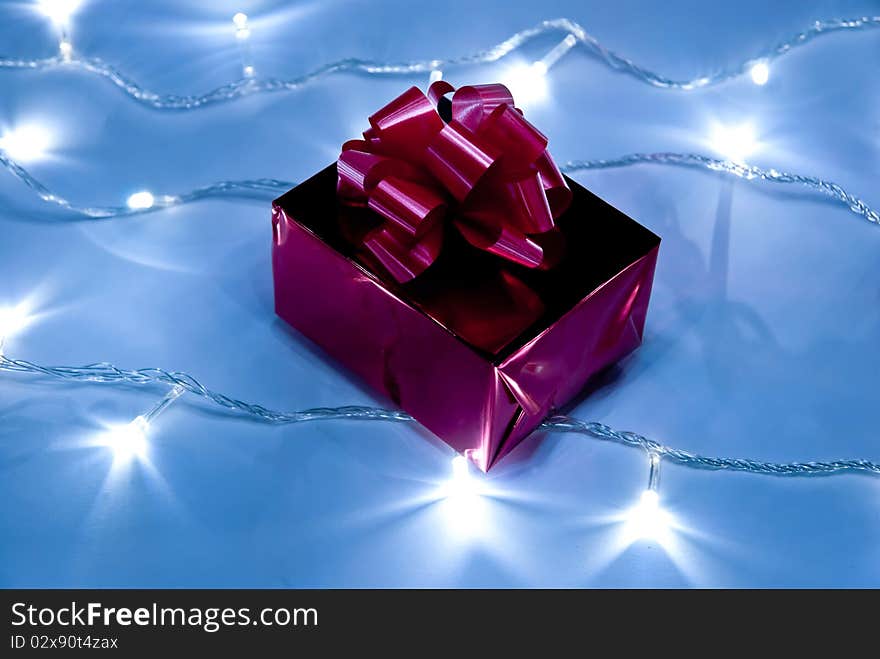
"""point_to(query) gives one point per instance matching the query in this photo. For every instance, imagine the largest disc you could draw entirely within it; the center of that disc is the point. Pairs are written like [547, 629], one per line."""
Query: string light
[462, 484]
[528, 82]
[246, 87]
[129, 442]
[26, 143]
[142, 200]
[695, 461]
[760, 73]
[654, 474]
[13, 319]
[274, 186]
[558, 51]
[220, 189]
[740, 170]
[60, 12]
[242, 34]
[735, 142]
[106, 373]
[463, 504]
[647, 520]
[242, 30]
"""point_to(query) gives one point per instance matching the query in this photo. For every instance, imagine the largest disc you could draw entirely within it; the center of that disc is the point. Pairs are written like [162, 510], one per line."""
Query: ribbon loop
[459, 159]
[530, 208]
[402, 259]
[407, 124]
[437, 90]
[502, 241]
[357, 170]
[558, 193]
[472, 103]
[412, 208]
[487, 170]
[519, 141]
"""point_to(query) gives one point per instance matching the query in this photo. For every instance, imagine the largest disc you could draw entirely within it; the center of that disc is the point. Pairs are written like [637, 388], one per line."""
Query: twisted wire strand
[277, 186]
[219, 189]
[696, 461]
[740, 170]
[620, 63]
[104, 372]
[249, 86]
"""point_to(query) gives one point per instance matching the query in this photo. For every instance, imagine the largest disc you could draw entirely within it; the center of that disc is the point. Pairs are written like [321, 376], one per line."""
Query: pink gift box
[478, 349]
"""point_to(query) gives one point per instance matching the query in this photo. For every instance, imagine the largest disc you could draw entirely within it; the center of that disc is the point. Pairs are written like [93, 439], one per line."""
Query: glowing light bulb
[129, 442]
[242, 31]
[647, 519]
[242, 34]
[464, 503]
[527, 83]
[461, 485]
[760, 73]
[26, 143]
[59, 11]
[649, 501]
[141, 200]
[734, 142]
[13, 320]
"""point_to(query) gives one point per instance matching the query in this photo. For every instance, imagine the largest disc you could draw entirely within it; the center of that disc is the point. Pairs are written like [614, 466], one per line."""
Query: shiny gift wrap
[479, 318]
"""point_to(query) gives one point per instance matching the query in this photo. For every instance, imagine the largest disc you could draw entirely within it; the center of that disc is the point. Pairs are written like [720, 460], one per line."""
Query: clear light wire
[247, 86]
[740, 170]
[253, 187]
[103, 372]
[173, 394]
[183, 382]
[220, 189]
[654, 471]
[696, 461]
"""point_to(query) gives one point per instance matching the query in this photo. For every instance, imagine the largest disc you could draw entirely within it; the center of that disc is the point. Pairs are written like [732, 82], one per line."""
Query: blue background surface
[762, 337]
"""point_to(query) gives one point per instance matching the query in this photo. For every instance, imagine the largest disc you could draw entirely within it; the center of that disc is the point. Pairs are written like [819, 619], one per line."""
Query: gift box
[476, 339]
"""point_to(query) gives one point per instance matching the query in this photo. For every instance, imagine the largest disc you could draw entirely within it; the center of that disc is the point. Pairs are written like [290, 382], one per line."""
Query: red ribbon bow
[488, 169]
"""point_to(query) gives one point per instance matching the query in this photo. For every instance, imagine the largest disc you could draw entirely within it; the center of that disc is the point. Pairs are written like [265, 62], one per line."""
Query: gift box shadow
[701, 294]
